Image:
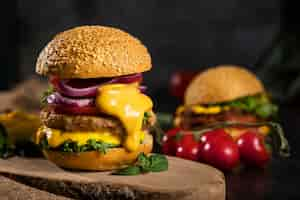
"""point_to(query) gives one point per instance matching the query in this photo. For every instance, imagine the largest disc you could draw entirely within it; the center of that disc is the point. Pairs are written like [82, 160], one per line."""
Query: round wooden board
[11, 190]
[184, 180]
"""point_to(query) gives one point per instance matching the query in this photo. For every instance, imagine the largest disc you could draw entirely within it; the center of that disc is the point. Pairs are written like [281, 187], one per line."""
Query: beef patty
[85, 123]
[189, 120]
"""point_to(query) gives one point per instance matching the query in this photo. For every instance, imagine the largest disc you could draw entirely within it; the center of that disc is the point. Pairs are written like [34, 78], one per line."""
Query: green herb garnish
[158, 163]
[129, 171]
[45, 94]
[146, 118]
[71, 146]
[144, 164]
[98, 146]
[258, 104]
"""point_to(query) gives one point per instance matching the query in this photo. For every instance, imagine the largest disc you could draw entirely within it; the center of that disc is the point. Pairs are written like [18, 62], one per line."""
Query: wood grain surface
[12, 190]
[184, 180]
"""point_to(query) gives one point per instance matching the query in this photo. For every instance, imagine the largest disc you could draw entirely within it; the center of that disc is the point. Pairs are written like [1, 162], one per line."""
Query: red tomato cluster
[179, 81]
[217, 148]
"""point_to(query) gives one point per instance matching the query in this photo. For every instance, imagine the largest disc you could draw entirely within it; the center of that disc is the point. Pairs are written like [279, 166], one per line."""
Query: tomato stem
[284, 148]
[158, 133]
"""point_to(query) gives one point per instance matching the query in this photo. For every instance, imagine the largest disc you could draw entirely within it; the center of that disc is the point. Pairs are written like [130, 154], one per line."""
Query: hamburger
[95, 115]
[225, 94]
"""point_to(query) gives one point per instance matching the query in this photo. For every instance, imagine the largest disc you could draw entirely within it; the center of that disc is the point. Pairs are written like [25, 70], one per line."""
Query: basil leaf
[158, 163]
[153, 163]
[128, 171]
[144, 162]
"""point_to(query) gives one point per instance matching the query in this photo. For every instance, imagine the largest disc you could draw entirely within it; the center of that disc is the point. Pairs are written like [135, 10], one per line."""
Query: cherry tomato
[188, 147]
[179, 81]
[212, 134]
[252, 149]
[173, 131]
[169, 142]
[220, 152]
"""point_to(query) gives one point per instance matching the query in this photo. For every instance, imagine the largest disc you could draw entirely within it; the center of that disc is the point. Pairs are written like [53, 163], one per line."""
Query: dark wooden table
[281, 179]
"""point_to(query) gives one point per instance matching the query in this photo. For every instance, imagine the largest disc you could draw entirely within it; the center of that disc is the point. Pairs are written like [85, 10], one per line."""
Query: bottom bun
[114, 158]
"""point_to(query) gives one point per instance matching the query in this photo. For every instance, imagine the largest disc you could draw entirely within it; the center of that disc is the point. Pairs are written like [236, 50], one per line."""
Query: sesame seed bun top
[221, 84]
[92, 52]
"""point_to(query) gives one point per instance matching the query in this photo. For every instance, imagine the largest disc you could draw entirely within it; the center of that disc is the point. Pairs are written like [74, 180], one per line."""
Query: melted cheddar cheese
[204, 110]
[197, 109]
[128, 104]
[265, 130]
[57, 137]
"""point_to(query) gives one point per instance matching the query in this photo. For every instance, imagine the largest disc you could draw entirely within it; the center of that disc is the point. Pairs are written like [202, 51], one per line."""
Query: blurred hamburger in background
[95, 116]
[225, 93]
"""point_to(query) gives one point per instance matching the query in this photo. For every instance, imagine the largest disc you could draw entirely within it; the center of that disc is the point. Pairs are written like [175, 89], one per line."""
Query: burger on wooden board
[96, 116]
[225, 93]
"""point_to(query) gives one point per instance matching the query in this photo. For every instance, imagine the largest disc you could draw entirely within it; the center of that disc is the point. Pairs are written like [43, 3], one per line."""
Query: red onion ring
[143, 88]
[58, 99]
[66, 89]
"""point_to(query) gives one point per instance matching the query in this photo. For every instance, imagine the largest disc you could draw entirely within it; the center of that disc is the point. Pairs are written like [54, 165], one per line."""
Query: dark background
[262, 35]
[186, 35]
[178, 34]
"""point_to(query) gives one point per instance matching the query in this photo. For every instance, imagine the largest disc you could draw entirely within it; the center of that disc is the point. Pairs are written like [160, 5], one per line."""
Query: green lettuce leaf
[71, 146]
[260, 105]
